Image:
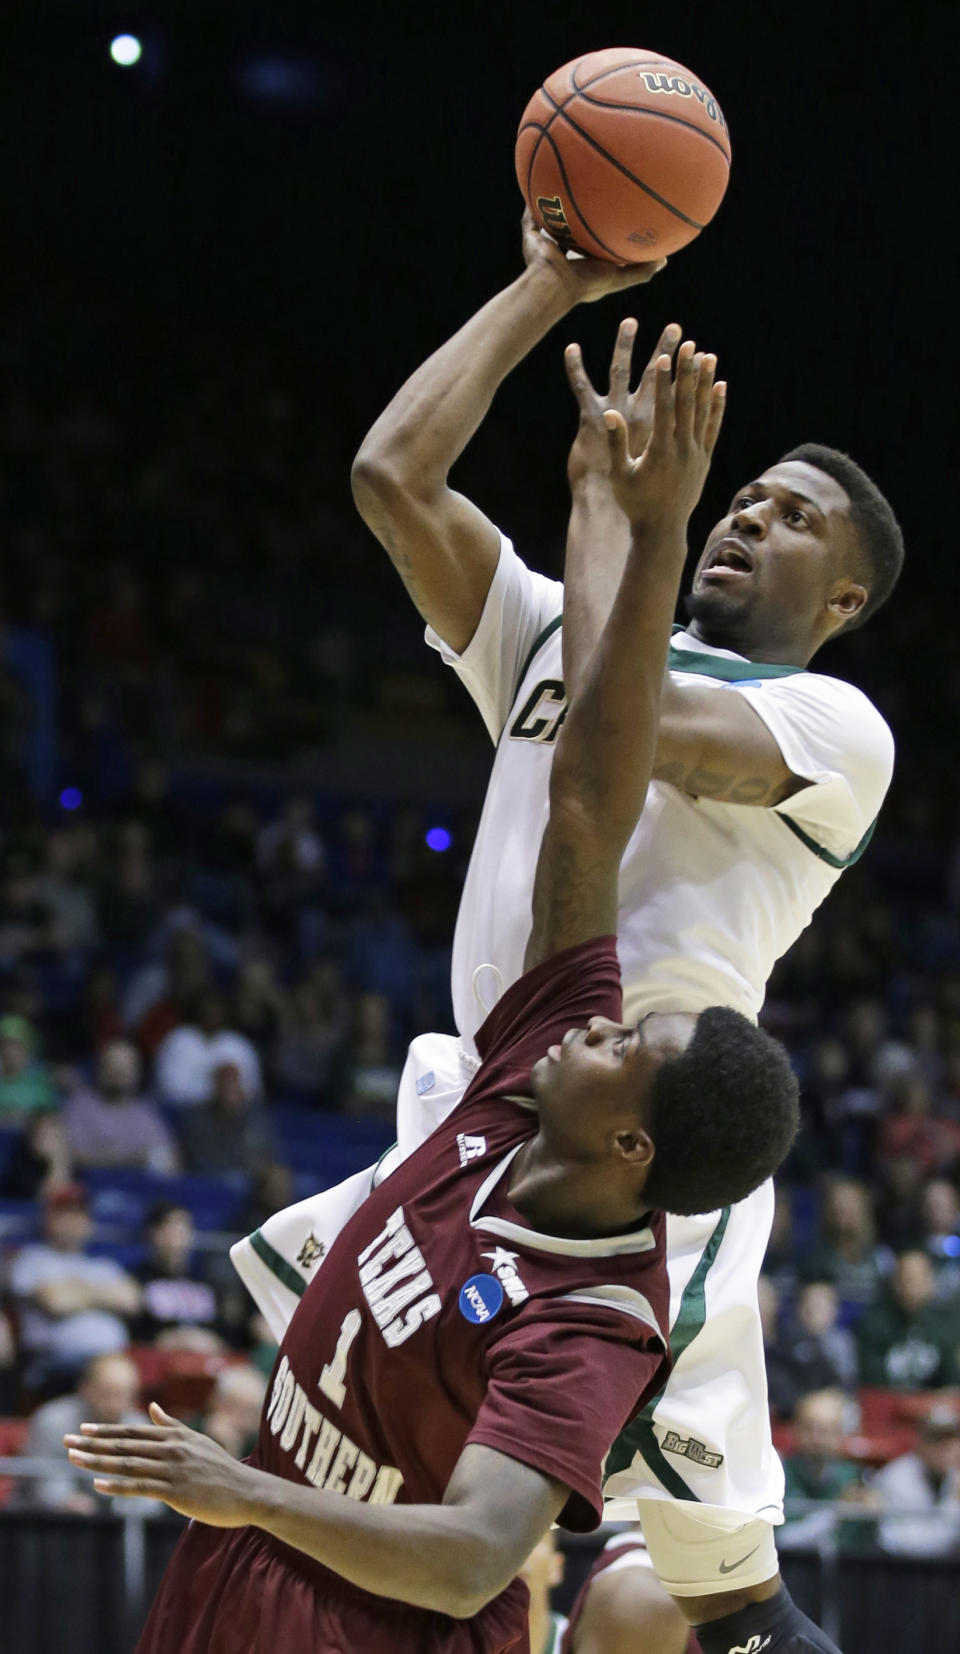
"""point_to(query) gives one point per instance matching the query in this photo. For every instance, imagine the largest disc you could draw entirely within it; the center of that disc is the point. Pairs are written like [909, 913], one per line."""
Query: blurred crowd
[196, 954]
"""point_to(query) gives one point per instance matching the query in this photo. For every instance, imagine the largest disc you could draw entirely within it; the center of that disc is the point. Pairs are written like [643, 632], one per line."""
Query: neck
[774, 649]
[555, 1197]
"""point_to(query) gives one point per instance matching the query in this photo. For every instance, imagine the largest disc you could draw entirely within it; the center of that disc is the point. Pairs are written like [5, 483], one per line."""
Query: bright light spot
[439, 839]
[71, 798]
[951, 1246]
[125, 50]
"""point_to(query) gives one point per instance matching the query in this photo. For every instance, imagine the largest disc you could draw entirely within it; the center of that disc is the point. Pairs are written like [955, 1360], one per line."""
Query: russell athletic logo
[470, 1148]
[480, 1298]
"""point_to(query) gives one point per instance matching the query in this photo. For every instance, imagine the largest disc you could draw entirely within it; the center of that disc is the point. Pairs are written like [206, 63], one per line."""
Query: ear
[846, 600]
[634, 1148]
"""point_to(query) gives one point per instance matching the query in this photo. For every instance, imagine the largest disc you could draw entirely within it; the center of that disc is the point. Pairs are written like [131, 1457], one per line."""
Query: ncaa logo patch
[480, 1298]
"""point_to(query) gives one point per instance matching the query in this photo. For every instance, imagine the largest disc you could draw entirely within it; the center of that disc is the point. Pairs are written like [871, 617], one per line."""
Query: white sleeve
[519, 605]
[832, 736]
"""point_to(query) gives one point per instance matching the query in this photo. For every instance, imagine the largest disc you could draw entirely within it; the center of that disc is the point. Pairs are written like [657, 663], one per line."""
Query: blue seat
[123, 1197]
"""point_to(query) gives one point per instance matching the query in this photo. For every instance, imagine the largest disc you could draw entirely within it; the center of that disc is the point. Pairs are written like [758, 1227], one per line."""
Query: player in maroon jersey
[495, 1312]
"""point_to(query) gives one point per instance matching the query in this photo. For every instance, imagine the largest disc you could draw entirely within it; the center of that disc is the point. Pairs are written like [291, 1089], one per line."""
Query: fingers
[621, 362]
[685, 389]
[617, 436]
[704, 396]
[577, 377]
[630, 275]
[123, 1468]
[108, 1447]
[666, 345]
[717, 409]
[663, 396]
[145, 1488]
[140, 1432]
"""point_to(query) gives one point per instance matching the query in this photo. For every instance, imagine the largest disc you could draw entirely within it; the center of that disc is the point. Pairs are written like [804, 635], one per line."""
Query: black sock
[772, 1627]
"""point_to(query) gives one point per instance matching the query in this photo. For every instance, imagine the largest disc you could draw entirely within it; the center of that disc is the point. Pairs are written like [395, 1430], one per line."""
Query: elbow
[477, 1579]
[373, 481]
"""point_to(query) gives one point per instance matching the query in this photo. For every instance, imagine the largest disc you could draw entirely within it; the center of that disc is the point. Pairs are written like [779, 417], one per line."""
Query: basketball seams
[573, 200]
[658, 114]
[661, 200]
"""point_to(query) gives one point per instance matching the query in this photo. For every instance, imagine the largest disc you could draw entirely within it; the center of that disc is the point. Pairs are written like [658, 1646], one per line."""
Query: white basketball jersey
[711, 895]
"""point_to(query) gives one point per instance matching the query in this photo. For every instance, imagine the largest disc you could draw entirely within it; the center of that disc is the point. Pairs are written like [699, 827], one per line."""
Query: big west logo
[336, 1463]
[396, 1282]
[542, 713]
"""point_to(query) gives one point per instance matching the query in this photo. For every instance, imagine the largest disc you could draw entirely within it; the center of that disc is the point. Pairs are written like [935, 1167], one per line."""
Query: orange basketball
[623, 155]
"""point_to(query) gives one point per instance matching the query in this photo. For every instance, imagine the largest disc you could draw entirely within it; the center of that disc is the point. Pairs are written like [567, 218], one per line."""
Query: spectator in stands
[157, 995]
[917, 1131]
[188, 1058]
[815, 1353]
[25, 1086]
[940, 1234]
[374, 1063]
[846, 1252]
[291, 843]
[782, 1391]
[40, 1159]
[230, 1133]
[8, 1364]
[65, 893]
[924, 1484]
[107, 1393]
[179, 1309]
[259, 1007]
[817, 1469]
[232, 1415]
[112, 1124]
[311, 1058]
[906, 1340]
[26, 920]
[130, 898]
[71, 1306]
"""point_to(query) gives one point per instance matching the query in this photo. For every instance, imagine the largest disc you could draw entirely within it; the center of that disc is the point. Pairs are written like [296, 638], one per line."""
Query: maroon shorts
[238, 1591]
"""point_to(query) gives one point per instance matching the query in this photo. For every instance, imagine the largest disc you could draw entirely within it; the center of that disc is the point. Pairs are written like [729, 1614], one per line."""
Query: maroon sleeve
[560, 1391]
[563, 992]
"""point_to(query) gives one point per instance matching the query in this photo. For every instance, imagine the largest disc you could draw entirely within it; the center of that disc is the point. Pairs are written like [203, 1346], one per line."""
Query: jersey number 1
[332, 1379]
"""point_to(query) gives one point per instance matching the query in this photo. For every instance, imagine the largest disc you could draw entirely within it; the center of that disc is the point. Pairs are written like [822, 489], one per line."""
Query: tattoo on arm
[724, 787]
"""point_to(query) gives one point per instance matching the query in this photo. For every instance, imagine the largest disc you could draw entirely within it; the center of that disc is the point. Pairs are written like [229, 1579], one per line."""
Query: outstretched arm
[708, 745]
[452, 1558]
[443, 547]
[605, 752]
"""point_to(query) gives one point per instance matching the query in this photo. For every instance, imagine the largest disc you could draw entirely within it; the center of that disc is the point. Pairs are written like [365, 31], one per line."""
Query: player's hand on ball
[581, 279]
[667, 479]
[590, 454]
[166, 1460]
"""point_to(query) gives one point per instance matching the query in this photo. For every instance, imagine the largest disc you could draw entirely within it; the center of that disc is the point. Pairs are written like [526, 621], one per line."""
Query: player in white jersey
[770, 779]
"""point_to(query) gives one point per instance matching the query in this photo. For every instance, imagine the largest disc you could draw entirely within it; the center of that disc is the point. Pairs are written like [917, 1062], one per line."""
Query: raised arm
[708, 745]
[598, 535]
[442, 545]
[452, 1558]
[605, 752]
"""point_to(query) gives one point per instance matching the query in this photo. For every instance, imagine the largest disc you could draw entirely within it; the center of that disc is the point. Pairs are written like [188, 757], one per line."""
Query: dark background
[339, 179]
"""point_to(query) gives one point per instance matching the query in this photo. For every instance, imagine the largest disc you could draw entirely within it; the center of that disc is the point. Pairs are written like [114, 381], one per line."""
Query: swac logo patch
[480, 1298]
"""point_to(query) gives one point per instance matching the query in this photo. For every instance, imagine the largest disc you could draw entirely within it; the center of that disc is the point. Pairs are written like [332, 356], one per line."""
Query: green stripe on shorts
[276, 1264]
[639, 1436]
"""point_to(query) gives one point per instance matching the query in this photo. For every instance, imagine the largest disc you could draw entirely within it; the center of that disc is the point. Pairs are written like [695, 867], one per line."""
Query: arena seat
[13, 1434]
[181, 1380]
[123, 1197]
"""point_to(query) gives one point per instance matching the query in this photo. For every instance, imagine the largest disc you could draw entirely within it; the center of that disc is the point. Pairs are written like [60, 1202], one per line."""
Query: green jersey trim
[277, 1265]
[839, 862]
[536, 646]
[639, 1436]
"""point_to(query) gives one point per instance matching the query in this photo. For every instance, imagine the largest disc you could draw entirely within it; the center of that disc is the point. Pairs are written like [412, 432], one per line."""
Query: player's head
[681, 1113]
[808, 549]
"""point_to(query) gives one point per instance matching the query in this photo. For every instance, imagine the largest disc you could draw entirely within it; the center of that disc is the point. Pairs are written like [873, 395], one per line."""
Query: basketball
[623, 155]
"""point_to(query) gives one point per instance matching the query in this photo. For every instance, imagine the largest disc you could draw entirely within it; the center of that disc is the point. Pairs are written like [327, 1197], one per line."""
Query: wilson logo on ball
[686, 89]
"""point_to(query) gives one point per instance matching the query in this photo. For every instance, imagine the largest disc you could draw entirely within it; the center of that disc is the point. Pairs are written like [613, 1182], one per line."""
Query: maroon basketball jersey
[440, 1317]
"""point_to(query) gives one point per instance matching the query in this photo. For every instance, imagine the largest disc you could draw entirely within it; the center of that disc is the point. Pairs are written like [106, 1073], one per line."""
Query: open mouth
[730, 559]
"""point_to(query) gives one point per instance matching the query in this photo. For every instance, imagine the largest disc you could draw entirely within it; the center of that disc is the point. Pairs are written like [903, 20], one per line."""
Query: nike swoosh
[729, 1568]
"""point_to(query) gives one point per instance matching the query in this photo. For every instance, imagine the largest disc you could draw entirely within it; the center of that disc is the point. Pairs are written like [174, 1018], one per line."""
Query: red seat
[13, 1434]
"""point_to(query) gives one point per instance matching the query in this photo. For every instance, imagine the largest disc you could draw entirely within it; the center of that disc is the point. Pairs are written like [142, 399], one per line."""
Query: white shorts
[705, 1441]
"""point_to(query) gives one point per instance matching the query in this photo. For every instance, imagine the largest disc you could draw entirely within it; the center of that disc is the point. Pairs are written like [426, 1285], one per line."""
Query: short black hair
[724, 1114]
[872, 517]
